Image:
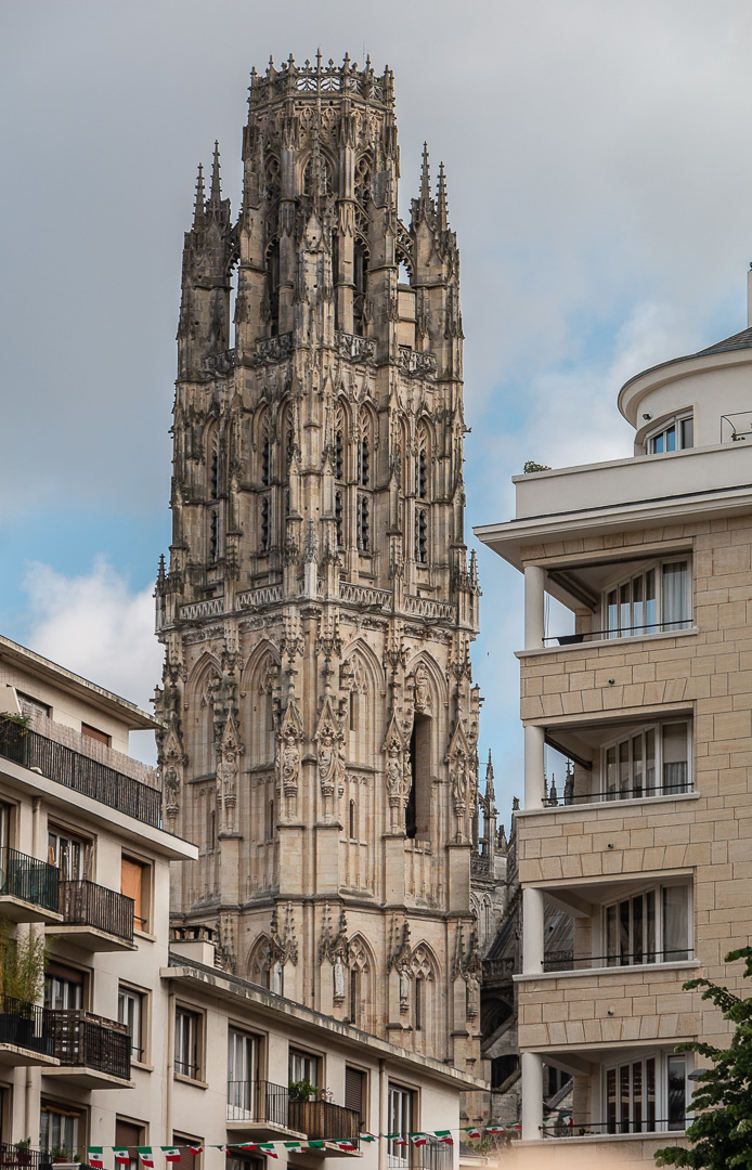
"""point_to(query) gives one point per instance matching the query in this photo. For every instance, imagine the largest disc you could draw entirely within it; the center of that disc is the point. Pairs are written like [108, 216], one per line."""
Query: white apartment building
[647, 690]
[133, 1044]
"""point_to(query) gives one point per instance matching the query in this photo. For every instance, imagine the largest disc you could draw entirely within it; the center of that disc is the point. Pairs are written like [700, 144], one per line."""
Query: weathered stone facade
[321, 722]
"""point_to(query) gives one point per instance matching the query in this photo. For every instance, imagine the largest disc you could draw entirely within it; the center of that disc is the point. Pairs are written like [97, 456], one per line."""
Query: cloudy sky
[599, 178]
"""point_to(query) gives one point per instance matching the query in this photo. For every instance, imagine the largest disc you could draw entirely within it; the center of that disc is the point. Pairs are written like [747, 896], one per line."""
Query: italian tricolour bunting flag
[146, 1156]
[196, 1150]
[471, 1131]
[495, 1129]
[444, 1135]
[122, 1157]
[268, 1149]
[367, 1137]
[171, 1153]
[293, 1147]
[418, 1139]
[346, 1144]
[96, 1157]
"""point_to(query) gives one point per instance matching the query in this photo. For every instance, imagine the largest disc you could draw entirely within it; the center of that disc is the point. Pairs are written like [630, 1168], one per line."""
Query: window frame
[255, 1040]
[295, 1052]
[660, 625]
[68, 837]
[196, 1042]
[661, 1120]
[145, 901]
[676, 423]
[399, 1156]
[140, 995]
[659, 788]
[71, 977]
[48, 1106]
[660, 921]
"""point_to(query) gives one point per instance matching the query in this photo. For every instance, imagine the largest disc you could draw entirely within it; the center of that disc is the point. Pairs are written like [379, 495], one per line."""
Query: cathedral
[317, 609]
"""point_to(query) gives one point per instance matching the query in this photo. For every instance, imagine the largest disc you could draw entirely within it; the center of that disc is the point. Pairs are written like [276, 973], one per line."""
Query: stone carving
[461, 781]
[289, 739]
[227, 776]
[422, 690]
[330, 752]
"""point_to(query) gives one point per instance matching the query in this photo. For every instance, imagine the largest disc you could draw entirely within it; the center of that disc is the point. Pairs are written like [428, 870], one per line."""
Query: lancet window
[273, 280]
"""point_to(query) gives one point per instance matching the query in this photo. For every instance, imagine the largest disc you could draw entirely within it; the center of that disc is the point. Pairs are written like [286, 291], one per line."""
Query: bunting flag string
[145, 1155]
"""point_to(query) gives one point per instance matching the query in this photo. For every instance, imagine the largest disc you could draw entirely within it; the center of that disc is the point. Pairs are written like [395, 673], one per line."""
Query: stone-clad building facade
[649, 695]
[318, 606]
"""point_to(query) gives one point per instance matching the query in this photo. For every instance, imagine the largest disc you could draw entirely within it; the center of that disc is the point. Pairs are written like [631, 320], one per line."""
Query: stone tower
[317, 612]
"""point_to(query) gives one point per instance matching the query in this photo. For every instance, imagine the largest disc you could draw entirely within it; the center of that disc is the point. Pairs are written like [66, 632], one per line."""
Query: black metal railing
[81, 1038]
[18, 1156]
[613, 633]
[258, 1101]
[24, 1025]
[564, 1129]
[678, 788]
[321, 1119]
[567, 961]
[81, 774]
[28, 879]
[84, 903]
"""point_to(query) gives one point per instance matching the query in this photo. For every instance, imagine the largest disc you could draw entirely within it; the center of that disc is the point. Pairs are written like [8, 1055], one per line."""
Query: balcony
[594, 1129]
[259, 1110]
[95, 917]
[29, 889]
[562, 961]
[15, 1156]
[324, 1121]
[94, 1052]
[81, 774]
[434, 1155]
[24, 1035]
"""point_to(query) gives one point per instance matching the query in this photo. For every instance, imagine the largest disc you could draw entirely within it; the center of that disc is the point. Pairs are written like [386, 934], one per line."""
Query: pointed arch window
[421, 536]
[265, 525]
[214, 536]
[360, 278]
[273, 281]
[364, 523]
[364, 460]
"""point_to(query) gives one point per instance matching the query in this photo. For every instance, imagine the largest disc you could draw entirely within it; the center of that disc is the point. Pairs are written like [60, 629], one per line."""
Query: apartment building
[643, 681]
[85, 868]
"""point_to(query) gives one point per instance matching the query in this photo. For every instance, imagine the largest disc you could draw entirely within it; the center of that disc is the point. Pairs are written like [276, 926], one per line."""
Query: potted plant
[22, 963]
[301, 1090]
[13, 732]
[23, 1152]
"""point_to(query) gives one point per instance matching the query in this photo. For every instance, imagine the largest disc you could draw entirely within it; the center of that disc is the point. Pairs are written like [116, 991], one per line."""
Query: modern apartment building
[647, 691]
[84, 867]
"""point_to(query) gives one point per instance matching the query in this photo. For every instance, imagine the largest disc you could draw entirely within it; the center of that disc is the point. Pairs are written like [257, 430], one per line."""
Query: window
[353, 822]
[69, 853]
[135, 883]
[676, 434]
[214, 536]
[304, 1066]
[5, 826]
[129, 1134]
[364, 524]
[654, 600]
[64, 987]
[131, 1012]
[186, 1144]
[421, 536]
[360, 275]
[355, 1092]
[265, 525]
[188, 1042]
[31, 706]
[401, 1123]
[364, 473]
[338, 517]
[646, 1095]
[242, 1075]
[61, 1127]
[417, 807]
[419, 1011]
[95, 733]
[649, 761]
[272, 277]
[214, 470]
[650, 927]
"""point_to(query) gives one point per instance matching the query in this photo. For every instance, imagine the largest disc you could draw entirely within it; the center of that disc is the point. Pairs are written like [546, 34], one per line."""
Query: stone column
[532, 1096]
[535, 788]
[535, 578]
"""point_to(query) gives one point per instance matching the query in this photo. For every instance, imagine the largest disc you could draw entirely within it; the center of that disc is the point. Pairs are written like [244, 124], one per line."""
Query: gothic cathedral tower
[317, 613]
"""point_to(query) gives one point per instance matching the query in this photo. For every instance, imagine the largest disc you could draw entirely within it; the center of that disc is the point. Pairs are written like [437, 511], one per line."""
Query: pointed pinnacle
[198, 205]
[216, 192]
[441, 199]
[425, 178]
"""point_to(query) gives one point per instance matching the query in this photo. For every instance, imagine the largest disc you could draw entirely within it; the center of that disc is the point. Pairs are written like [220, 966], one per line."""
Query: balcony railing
[259, 1101]
[321, 1119]
[433, 1155]
[28, 879]
[14, 1158]
[81, 774]
[80, 1038]
[84, 903]
[593, 1129]
[495, 970]
[566, 961]
[24, 1025]
[642, 792]
[668, 627]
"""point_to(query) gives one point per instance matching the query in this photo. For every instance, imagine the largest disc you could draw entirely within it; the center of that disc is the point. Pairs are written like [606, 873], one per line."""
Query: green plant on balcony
[302, 1091]
[12, 728]
[22, 964]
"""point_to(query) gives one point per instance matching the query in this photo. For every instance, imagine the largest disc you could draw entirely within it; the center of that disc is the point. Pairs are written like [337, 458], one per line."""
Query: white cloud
[95, 625]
